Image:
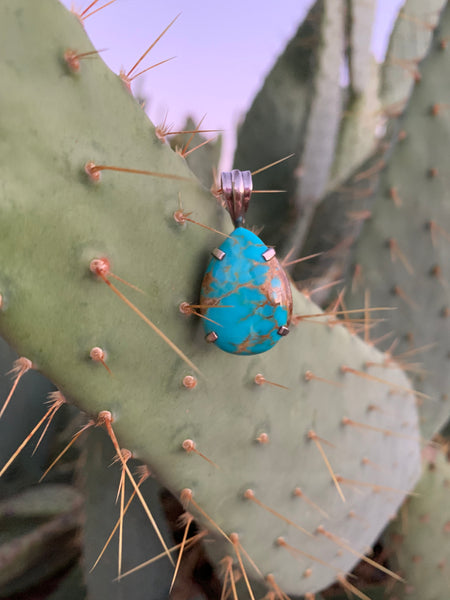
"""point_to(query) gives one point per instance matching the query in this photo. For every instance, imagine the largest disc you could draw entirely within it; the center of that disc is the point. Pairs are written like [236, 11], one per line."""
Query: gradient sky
[223, 50]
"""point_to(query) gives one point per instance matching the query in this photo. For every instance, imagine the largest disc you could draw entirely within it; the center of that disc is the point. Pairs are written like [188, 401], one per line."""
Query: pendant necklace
[245, 295]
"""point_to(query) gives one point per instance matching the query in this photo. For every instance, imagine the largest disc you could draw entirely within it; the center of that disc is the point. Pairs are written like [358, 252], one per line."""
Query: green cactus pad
[54, 221]
[361, 119]
[360, 130]
[419, 540]
[409, 43]
[403, 252]
[361, 14]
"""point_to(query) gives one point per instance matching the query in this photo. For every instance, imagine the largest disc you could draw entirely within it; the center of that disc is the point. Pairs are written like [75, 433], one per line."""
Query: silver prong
[218, 253]
[268, 254]
[283, 330]
[212, 337]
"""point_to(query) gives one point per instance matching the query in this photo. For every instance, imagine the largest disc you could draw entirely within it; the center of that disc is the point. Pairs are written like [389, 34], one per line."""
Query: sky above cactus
[223, 52]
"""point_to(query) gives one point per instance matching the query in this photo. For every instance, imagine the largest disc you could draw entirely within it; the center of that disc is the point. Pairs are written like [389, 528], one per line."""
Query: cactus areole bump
[246, 297]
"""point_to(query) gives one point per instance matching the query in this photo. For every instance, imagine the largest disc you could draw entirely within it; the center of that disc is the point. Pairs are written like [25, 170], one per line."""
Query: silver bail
[237, 188]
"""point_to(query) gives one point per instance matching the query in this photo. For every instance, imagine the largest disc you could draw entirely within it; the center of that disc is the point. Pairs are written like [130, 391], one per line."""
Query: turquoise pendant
[245, 297]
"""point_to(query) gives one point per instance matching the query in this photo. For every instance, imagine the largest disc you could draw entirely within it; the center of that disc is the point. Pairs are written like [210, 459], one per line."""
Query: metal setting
[283, 330]
[212, 337]
[237, 188]
[249, 286]
[268, 254]
[218, 253]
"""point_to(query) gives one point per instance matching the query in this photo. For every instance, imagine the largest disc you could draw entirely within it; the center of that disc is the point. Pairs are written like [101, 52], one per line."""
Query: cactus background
[424, 522]
[54, 221]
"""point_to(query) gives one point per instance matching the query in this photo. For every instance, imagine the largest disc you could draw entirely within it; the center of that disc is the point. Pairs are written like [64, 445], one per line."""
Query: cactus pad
[403, 251]
[270, 438]
[420, 541]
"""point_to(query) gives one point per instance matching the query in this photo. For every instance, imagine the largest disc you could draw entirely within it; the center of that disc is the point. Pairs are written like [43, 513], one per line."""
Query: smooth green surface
[360, 18]
[360, 130]
[40, 502]
[54, 222]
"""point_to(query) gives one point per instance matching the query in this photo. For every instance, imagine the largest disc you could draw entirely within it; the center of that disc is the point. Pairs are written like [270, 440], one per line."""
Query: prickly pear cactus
[419, 540]
[408, 44]
[402, 254]
[319, 440]
[298, 109]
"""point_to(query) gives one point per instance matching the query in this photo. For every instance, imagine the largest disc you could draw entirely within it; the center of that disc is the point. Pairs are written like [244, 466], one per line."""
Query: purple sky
[221, 59]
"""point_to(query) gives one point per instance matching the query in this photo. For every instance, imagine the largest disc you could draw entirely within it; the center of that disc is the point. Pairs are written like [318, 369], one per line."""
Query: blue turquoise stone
[248, 298]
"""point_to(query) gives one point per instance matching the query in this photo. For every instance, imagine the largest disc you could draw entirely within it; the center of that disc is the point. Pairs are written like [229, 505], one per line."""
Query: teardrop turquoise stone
[248, 298]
